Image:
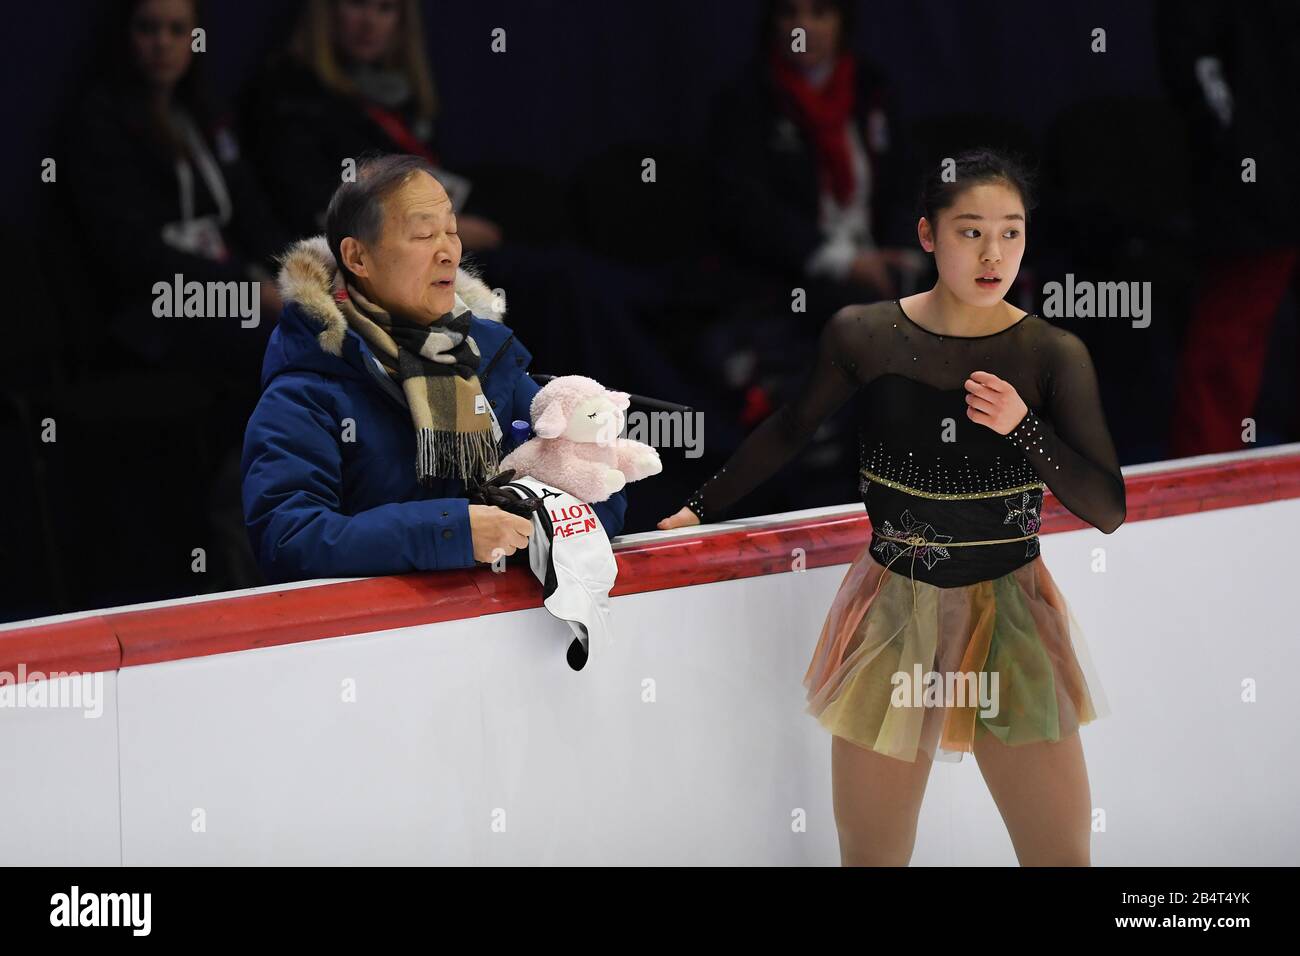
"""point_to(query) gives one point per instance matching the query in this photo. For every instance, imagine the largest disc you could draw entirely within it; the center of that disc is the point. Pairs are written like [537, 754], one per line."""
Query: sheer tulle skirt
[904, 666]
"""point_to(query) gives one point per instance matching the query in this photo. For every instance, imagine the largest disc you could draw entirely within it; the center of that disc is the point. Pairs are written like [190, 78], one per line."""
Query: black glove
[492, 492]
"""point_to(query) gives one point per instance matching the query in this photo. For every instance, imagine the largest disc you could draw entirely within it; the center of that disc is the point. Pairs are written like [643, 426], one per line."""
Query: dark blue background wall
[580, 76]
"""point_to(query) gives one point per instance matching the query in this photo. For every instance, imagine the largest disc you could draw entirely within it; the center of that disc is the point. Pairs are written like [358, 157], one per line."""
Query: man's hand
[496, 532]
[993, 402]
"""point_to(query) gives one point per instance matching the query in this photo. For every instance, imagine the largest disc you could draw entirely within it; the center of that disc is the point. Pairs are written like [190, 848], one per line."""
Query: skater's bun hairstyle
[975, 167]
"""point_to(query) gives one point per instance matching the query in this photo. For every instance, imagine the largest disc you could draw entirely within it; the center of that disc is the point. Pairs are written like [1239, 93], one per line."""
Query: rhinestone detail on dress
[943, 480]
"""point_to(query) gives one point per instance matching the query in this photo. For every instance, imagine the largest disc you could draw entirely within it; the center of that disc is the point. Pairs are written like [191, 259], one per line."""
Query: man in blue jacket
[387, 384]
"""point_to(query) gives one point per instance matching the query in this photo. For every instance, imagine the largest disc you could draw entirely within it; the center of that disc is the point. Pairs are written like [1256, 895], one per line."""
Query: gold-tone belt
[917, 541]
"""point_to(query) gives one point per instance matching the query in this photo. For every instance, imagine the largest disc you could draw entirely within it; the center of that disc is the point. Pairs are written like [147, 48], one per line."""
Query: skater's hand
[993, 402]
[684, 518]
[496, 532]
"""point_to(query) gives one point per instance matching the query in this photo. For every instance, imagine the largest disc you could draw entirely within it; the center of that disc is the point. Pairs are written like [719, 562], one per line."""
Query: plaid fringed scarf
[436, 367]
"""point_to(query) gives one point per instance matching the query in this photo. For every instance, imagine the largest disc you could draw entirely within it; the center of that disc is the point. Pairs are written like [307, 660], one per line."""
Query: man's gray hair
[357, 208]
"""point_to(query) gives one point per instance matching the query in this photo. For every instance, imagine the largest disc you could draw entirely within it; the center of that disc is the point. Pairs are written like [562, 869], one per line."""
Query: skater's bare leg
[877, 802]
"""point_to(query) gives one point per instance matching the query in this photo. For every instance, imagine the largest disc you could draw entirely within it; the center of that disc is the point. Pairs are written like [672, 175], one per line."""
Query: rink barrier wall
[238, 621]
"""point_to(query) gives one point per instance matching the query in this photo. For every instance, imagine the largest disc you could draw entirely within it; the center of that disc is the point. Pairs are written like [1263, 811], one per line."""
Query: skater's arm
[1075, 456]
[832, 380]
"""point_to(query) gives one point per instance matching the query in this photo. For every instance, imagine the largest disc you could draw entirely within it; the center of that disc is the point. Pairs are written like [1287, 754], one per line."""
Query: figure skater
[967, 408]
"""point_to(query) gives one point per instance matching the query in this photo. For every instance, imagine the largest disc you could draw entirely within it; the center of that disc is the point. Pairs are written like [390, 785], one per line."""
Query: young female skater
[968, 407]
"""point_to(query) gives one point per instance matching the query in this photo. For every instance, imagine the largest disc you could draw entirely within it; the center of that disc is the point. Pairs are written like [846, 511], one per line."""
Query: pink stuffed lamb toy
[576, 448]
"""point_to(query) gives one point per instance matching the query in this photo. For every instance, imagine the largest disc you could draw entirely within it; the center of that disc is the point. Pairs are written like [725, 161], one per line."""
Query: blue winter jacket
[329, 486]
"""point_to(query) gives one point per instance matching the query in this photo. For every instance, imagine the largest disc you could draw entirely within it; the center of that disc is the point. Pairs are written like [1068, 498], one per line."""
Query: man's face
[412, 269]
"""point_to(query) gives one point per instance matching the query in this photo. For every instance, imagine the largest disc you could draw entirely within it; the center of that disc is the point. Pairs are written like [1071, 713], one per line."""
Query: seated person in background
[809, 192]
[808, 165]
[159, 187]
[355, 80]
[377, 389]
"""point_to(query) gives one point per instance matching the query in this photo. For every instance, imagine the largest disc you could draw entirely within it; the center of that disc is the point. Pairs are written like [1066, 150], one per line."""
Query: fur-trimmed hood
[309, 277]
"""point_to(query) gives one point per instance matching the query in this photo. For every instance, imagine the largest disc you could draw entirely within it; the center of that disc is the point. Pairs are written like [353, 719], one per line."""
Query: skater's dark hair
[975, 167]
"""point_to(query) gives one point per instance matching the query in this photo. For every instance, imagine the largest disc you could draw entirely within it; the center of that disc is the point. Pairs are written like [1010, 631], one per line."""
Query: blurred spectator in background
[355, 80]
[812, 184]
[812, 191]
[1230, 69]
[159, 188]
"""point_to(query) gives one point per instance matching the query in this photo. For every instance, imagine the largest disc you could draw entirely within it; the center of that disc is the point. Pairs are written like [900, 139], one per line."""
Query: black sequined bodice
[929, 474]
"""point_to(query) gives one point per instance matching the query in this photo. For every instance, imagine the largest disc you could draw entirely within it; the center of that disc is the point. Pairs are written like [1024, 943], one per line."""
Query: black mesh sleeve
[1075, 457]
[832, 380]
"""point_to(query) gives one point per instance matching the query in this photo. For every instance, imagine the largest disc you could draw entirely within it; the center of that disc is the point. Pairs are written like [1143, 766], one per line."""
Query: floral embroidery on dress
[931, 552]
[1026, 517]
